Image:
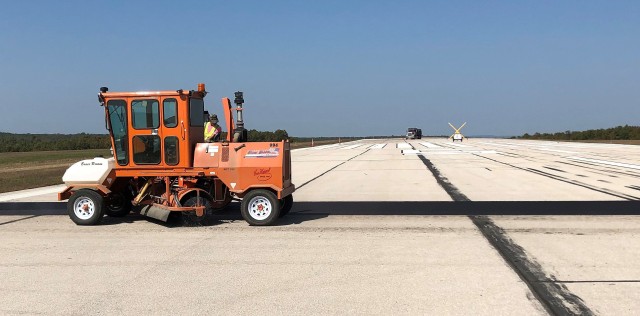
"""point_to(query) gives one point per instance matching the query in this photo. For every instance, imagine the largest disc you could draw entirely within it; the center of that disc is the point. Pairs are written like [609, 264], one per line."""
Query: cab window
[171, 150]
[196, 112]
[145, 114]
[146, 149]
[170, 112]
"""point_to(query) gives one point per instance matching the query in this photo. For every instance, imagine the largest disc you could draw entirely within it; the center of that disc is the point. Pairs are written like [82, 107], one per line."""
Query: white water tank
[90, 171]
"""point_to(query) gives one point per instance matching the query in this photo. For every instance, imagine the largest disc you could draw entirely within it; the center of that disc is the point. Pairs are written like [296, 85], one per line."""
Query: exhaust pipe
[240, 134]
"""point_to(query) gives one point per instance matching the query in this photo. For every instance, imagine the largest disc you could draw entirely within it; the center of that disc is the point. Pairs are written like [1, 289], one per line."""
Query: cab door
[172, 132]
[145, 131]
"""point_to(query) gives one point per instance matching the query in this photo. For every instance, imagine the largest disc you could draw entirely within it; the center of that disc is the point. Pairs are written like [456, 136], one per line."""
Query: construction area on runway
[366, 210]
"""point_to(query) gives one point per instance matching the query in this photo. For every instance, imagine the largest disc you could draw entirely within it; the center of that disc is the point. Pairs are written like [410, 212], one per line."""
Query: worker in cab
[212, 130]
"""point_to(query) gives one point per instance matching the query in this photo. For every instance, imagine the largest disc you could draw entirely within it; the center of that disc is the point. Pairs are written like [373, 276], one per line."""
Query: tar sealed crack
[556, 298]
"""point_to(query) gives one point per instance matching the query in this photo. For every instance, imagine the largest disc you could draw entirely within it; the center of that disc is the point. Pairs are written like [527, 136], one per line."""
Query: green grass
[26, 170]
[28, 179]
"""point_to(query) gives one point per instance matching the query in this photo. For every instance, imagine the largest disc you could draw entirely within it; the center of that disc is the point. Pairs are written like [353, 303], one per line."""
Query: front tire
[260, 208]
[85, 207]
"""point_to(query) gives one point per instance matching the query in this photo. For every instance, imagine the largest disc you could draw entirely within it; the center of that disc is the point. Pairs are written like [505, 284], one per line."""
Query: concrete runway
[428, 226]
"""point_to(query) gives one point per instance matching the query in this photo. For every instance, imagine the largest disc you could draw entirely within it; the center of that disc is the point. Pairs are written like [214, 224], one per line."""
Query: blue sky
[330, 68]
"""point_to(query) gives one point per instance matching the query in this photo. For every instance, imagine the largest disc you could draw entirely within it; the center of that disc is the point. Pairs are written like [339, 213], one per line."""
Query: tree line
[615, 133]
[44, 142]
[266, 136]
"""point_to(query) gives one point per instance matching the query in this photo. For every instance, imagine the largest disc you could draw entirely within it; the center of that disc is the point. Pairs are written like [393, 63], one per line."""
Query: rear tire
[286, 205]
[260, 207]
[117, 205]
[85, 207]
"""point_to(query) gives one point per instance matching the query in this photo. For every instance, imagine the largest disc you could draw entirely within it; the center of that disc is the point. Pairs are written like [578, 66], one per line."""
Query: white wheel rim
[260, 208]
[84, 208]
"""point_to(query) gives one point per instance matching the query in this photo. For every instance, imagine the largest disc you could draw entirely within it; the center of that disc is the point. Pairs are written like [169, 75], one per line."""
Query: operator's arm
[217, 133]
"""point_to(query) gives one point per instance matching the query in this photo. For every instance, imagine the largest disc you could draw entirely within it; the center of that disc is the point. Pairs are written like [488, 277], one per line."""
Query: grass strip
[29, 179]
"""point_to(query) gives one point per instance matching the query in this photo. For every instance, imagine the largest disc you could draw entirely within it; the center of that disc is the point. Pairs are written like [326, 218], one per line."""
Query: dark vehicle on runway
[413, 133]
